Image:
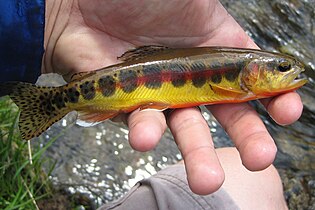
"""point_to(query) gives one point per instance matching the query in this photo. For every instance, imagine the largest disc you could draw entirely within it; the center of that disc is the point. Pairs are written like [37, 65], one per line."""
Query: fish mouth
[297, 79]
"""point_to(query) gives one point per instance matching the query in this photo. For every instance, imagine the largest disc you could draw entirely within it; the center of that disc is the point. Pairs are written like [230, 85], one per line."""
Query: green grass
[21, 184]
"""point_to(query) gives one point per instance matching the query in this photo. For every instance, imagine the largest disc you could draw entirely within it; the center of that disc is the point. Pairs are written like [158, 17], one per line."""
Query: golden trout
[157, 77]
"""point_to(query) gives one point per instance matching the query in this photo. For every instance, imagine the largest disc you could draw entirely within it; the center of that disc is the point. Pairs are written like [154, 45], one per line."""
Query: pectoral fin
[92, 118]
[228, 91]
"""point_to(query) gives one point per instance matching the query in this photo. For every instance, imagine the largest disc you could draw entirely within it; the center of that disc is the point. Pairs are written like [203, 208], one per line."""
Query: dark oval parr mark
[178, 78]
[107, 85]
[128, 80]
[153, 76]
[216, 78]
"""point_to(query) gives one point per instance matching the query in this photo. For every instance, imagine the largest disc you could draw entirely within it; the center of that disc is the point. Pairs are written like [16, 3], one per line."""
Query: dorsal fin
[141, 52]
[81, 75]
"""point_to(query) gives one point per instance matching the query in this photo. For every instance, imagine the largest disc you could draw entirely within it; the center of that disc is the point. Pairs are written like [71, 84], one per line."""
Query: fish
[157, 77]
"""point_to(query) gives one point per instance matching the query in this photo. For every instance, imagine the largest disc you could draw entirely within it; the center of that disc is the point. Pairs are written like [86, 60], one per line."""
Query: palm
[99, 31]
[139, 22]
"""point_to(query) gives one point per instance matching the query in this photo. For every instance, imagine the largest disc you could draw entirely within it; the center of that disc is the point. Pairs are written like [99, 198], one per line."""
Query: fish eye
[284, 66]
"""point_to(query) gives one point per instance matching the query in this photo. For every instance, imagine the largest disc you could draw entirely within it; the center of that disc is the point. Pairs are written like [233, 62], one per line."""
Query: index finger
[284, 109]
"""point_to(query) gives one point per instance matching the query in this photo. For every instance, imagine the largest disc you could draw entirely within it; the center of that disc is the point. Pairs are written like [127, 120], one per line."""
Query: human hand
[85, 35]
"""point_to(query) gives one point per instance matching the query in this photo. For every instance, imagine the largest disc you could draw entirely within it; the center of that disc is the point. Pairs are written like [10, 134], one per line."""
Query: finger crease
[252, 136]
[236, 118]
[197, 150]
[189, 123]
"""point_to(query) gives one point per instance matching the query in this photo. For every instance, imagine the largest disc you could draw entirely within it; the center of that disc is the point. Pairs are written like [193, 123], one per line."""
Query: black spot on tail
[88, 90]
[39, 107]
[58, 99]
[72, 95]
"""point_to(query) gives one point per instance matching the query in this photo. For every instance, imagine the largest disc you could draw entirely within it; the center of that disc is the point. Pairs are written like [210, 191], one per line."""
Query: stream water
[99, 162]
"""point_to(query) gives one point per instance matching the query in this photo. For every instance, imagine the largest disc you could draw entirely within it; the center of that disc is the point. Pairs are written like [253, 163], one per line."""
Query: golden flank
[157, 77]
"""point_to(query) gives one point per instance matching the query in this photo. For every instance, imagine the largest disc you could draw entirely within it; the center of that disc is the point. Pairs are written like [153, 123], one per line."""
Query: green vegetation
[22, 185]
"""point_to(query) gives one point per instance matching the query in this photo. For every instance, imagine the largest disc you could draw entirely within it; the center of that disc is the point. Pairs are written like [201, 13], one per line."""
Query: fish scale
[157, 77]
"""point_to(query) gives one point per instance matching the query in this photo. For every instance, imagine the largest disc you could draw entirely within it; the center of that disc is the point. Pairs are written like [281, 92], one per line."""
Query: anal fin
[155, 106]
[87, 119]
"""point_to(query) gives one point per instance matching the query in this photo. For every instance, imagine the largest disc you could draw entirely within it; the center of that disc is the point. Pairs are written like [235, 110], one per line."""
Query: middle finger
[192, 135]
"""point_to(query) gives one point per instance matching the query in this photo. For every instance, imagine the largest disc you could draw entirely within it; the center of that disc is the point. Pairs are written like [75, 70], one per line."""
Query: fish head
[271, 74]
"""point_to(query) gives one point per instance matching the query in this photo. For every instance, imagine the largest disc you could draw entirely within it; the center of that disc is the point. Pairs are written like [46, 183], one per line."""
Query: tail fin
[40, 107]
